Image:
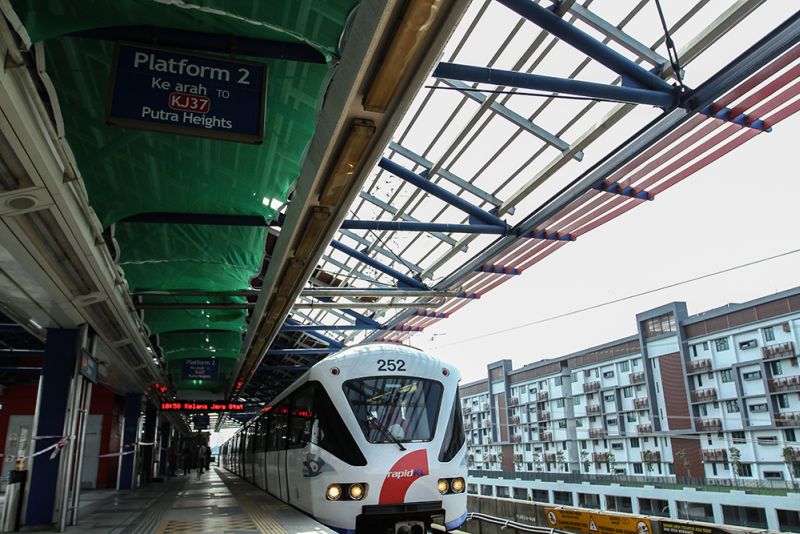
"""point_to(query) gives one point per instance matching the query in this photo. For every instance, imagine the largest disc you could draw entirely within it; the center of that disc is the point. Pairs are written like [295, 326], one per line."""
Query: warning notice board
[688, 528]
[596, 522]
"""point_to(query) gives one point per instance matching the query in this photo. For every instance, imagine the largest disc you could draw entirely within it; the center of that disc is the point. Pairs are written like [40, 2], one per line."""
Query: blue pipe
[469, 73]
[385, 269]
[587, 44]
[438, 191]
[411, 226]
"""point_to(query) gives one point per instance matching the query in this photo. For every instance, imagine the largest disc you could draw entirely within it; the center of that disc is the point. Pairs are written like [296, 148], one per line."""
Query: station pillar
[150, 443]
[167, 453]
[130, 436]
[58, 368]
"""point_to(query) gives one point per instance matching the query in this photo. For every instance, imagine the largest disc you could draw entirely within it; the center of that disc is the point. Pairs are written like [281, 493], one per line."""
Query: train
[369, 440]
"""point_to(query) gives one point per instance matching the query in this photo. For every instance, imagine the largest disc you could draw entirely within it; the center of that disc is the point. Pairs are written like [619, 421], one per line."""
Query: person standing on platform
[186, 460]
[201, 459]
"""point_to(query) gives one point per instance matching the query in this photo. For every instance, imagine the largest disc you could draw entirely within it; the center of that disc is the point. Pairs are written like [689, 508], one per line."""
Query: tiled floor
[217, 503]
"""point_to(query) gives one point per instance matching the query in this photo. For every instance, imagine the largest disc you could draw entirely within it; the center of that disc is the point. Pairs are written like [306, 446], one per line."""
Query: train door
[276, 450]
[301, 418]
[283, 475]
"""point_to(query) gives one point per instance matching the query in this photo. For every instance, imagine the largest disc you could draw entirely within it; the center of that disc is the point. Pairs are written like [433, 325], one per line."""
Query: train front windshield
[395, 409]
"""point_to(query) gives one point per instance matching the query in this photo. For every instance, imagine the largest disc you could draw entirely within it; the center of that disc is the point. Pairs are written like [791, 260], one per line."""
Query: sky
[739, 209]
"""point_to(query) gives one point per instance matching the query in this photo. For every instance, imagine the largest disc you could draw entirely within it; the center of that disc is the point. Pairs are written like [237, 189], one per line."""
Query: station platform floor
[216, 503]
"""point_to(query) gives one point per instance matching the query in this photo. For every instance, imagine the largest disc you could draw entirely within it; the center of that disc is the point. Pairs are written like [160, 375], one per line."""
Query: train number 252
[391, 365]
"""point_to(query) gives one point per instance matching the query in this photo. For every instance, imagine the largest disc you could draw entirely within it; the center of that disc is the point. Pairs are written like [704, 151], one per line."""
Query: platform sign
[689, 528]
[596, 522]
[201, 406]
[188, 94]
[200, 369]
[88, 366]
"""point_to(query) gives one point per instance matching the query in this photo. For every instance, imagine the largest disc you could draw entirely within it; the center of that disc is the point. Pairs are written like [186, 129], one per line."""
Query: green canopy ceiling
[130, 172]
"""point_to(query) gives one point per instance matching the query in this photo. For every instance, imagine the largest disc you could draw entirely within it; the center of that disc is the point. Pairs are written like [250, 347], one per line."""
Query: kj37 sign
[189, 94]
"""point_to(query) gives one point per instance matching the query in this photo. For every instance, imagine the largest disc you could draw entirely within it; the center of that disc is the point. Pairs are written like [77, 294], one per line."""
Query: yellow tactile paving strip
[258, 513]
[236, 523]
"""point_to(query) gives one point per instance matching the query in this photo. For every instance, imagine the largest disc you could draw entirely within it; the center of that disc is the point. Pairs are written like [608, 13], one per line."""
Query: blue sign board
[200, 369]
[88, 366]
[188, 94]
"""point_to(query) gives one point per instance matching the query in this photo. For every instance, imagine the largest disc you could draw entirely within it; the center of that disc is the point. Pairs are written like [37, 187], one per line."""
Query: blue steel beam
[410, 226]
[331, 327]
[301, 352]
[333, 343]
[587, 44]
[364, 258]
[523, 80]
[438, 191]
[359, 317]
[265, 368]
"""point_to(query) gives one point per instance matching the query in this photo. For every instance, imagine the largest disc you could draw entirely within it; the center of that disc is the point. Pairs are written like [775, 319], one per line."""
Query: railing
[514, 419]
[516, 439]
[670, 482]
[549, 458]
[694, 366]
[543, 416]
[778, 350]
[485, 406]
[601, 457]
[708, 424]
[654, 456]
[467, 410]
[644, 429]
[787, 419]
[786, 383]
[596, 433]
[641, 402]
[545, 436]
[704, 394]
[588, 387]
[636, 378]
[714, 455]
[593, 409]
[518, 458]
[487, 424]
[542, 395]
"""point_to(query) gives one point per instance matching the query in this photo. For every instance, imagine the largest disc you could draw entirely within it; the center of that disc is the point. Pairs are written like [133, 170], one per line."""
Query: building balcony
[543, 416]
[644, 429]
[708, 424]
[514, 420]
[787, 419]
[698, 366]
[549, 457]
[595, 433]
[542, 396]
[518, 458]
[545, 436]
[593, 409]
[485, 406]
[778, 350]
[516, 439]
[707, 394]
[641, 402]
[785, 384]
[470, 459]
[513, 401]
[467, 410]
[600, 457]
[715, 455]
[636, 378]
[487, 424]
[489, 457]
[651, 456]
[589, 387]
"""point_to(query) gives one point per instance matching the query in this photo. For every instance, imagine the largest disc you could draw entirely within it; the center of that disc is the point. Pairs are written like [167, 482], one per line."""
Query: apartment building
[708, 401]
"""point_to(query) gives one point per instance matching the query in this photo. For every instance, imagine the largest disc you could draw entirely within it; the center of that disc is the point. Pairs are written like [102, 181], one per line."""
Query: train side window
[454, 434]
[301, 417]
[332, 434]
[279, 418]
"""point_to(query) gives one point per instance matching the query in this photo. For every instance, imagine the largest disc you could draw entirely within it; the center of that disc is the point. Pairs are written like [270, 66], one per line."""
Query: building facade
[708, 401]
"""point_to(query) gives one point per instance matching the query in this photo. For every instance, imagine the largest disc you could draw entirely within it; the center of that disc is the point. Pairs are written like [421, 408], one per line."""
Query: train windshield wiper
[383, 430]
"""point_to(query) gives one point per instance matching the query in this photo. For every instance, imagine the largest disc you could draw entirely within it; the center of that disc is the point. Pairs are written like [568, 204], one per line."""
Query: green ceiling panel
[130, 172]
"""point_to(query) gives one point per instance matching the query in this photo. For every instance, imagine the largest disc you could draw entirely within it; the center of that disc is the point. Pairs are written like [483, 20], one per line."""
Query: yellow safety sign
[596, 522]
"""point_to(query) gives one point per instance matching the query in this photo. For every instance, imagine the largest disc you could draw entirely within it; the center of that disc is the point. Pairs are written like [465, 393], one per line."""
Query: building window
[777, 368]
[759, 408]
[627, 392]
[769, 334]
[624, 367]
[635, 362]
[574, 377]
[609, 398]
[634, 443]
[745, 470]
[783, 402]
[558, 380]
[748, 344]
[608, 374]
[732, 406]
[637, 468]
[578, 422]
[562, 423]
[726, 376]
[617, 446]
[612, 422]
[663, 324]
[722, 344]
[631, 417]
[752, 375]
[738, 436]
[767, 440]
[703, 410]
[559, 403]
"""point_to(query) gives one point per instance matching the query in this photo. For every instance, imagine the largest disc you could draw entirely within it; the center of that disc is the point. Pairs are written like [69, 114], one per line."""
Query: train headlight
[356, 492]
[457, 485]
[334, 492]
[444, 486]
